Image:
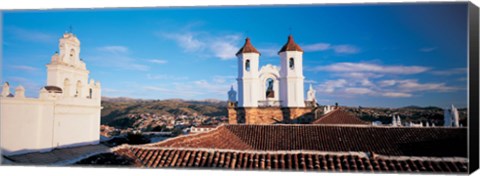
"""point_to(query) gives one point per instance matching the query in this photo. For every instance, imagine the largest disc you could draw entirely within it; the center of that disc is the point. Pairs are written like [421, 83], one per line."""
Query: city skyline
[357, 55]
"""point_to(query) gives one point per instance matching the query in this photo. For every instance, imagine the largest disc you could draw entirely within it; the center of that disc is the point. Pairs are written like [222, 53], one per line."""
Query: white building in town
[271, 85]
[451, 117]
[66, 113]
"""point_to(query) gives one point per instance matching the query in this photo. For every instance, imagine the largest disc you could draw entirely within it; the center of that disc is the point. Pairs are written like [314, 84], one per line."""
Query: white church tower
[451, 117]
[248, 83]
[67, 71]
[66, 113]
[232, 95]
[271, 93]
[291, 74]
[311, 96]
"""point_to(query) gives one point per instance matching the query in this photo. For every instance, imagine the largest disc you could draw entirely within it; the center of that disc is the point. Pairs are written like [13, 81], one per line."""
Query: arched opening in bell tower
[291, 63]
[247, 65]
[270, 93]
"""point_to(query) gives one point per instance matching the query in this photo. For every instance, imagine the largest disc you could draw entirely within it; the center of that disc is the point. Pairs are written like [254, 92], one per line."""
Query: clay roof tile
[290, 46]
[247, 48]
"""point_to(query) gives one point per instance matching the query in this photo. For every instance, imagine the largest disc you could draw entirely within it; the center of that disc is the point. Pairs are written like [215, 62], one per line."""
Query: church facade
[66, 112]
[270, 94]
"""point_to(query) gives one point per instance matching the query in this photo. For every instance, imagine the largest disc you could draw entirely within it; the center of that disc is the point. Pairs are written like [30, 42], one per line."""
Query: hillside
[414, 114]
[116, 111]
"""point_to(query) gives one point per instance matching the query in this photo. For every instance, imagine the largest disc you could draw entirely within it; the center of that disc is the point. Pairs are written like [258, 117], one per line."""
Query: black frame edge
[473, 109]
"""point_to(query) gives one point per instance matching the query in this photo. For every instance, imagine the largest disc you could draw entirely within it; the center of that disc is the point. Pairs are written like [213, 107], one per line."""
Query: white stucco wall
[31, 125]
[26, 125]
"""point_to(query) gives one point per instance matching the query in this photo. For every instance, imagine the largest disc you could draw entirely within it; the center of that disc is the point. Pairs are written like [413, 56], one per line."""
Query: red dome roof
[290, 46]
[247, 48]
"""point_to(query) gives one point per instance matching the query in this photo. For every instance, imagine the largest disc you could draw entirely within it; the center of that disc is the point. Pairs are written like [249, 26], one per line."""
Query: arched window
[269, 85]
[79, 89]
[66, 87]
[72, 52]
[247, 65]
[90, 93]
[291, 63]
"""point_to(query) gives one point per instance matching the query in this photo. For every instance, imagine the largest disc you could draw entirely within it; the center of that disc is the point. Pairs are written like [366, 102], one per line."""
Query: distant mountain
[119, 99]
[424, 108]
[116, 110]
[414, 114]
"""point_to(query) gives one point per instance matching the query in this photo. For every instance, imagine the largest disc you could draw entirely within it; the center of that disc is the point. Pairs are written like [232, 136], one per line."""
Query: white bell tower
[66, 70]
[248, 92]
[291, 75]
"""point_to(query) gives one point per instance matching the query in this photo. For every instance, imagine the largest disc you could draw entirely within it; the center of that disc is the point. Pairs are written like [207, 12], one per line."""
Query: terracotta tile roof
[157, 157]
[392, 141]
[247, 48]
[339, 116]
[290, 46]
[212, 139]
[310, 148]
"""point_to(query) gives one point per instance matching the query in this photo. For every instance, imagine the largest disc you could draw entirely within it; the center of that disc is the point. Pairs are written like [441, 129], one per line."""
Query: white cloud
[116, 56]
[359, 90]
[133, 66]
[450, 71]
[223, 47]
[396, 94]
[317, 47]
[350, 67]
[30, 35]
[24, 68]
[414, 85]
[185, 40]
[385, 88]
[222, 79]
[330, 85]
[216, 86]
[366, 82]
[427, 49]
[158, 61]
[345, 49]
[114, 49]
[340, 49]
[359, 75]
[386, 83]
[462, 79]
[269, 51]
[166, 77]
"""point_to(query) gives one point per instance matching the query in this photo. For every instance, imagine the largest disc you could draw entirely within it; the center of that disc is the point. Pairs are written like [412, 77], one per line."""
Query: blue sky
[368, 55]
